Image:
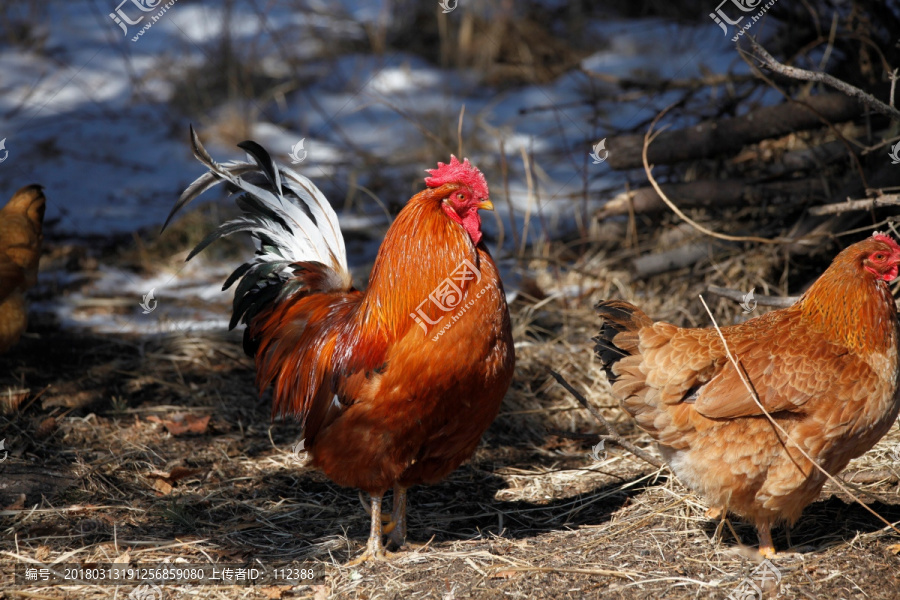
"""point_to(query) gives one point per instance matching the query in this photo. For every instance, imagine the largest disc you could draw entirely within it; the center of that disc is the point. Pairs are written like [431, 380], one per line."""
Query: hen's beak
[486, 205]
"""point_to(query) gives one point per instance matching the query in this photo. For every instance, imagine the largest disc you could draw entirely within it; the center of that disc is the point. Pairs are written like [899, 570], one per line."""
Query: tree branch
[804, 75]
[762, 300]
[855, 205]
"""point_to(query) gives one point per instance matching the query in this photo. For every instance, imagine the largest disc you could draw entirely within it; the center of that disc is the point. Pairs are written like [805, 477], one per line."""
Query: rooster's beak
[486, 205]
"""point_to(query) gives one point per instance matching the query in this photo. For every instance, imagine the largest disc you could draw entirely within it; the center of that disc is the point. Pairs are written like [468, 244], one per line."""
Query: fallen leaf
[507, 574]
[179, 473]
[162, 486]
[183, 424]
[894, 548]
[76, 400]
[18, 504]
[47, 427]
[275, 592]
[164, 482]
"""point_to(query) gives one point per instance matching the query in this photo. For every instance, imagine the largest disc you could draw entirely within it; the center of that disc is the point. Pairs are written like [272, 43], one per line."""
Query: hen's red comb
[882, 237]
[458, 172]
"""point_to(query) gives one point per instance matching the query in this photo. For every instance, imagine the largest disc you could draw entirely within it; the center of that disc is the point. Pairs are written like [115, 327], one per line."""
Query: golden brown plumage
[21, 222]
[391, 387]
[825, 368]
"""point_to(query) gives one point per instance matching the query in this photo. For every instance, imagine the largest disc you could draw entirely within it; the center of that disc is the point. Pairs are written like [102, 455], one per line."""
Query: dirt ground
[157, 449]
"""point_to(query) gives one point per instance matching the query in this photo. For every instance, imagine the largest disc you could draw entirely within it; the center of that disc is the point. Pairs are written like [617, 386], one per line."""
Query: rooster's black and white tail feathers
[289, 219]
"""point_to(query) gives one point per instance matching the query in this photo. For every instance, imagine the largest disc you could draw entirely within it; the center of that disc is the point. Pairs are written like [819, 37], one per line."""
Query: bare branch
[825, 78]
[613, 434]
[762, 300]
[855, 205]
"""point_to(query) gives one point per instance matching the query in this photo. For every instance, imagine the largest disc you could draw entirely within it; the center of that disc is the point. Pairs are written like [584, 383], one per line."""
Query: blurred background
[96, 99]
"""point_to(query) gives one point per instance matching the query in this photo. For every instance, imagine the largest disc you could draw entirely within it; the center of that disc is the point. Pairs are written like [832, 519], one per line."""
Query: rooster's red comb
[458, 172]
[883, 237]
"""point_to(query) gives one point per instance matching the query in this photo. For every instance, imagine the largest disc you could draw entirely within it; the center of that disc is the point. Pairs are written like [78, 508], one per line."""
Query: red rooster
[392, 386]
[825, 369]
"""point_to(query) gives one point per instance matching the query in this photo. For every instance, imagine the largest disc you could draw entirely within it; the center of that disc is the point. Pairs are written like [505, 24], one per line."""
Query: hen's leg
[374, 547]
[766, 547]
[397, 527]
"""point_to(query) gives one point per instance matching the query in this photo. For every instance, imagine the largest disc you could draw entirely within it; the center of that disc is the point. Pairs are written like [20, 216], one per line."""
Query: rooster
[825, 369]
[21, 223]
[392, 386]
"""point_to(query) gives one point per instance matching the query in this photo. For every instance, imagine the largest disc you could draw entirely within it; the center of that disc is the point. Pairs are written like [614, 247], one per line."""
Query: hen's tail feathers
[295, 230]
[618, 336]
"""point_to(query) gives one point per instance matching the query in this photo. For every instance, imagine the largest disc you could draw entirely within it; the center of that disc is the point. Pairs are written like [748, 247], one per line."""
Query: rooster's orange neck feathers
[421, 249]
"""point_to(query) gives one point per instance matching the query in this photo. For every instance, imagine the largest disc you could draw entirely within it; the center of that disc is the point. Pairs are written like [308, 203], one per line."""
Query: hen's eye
[879, 257]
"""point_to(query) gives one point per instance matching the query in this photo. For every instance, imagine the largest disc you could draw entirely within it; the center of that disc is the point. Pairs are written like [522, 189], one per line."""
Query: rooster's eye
[461, 197]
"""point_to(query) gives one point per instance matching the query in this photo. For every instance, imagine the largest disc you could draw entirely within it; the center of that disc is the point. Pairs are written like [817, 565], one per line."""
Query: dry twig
[613, 434]
[855, 205]
[804, 75]
[762, 299]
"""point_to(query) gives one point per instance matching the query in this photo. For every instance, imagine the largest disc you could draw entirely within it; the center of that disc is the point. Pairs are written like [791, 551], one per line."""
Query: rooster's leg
[766, 547]
[385, 517]
[397, 526]
[374, 547]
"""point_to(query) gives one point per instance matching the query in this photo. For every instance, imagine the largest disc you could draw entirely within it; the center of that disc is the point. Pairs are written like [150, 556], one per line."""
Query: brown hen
[825, 369]
[21, 221]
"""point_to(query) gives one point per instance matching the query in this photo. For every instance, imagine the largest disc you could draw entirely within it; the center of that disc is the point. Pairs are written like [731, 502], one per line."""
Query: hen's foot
[766, 547]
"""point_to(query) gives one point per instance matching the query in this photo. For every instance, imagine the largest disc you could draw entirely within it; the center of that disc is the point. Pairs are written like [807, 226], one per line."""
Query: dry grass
[531, 515]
